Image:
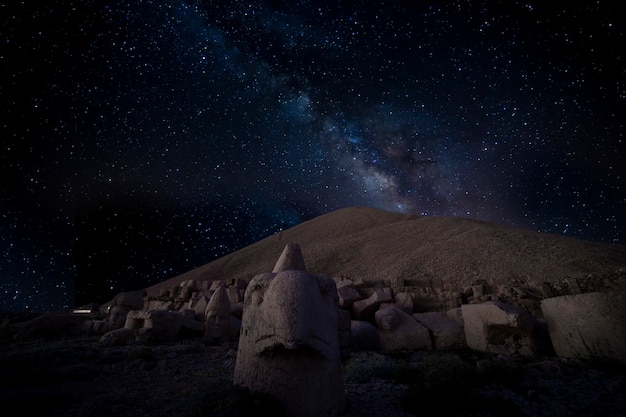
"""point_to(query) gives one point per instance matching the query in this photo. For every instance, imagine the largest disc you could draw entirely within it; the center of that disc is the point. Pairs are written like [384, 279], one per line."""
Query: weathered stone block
[347, 296]
[404, 301]
[399, 330]
[365, 309]
[132, 300]
[591, 325]
[447, 333]
[499, 328]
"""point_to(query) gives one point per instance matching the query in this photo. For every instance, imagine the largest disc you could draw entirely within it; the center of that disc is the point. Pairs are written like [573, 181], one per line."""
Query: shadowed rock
[289, 342]
[364, 336]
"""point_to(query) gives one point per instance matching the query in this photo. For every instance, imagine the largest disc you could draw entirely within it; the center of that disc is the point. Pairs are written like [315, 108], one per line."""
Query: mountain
[446, 252]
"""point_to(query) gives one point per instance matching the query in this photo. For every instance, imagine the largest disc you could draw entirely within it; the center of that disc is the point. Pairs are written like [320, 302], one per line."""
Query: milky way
[144, 138]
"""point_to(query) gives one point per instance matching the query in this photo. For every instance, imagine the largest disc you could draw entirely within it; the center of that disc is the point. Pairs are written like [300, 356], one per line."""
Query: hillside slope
[453, 252]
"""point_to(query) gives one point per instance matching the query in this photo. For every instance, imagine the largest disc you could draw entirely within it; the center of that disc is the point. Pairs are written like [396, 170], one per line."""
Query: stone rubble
[568, 319]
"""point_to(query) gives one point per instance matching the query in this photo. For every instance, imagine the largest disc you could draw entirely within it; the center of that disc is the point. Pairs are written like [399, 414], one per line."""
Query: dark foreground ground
[81, 378]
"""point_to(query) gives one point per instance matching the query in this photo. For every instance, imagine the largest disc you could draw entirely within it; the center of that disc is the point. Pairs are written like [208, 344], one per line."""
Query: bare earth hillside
[448, 253]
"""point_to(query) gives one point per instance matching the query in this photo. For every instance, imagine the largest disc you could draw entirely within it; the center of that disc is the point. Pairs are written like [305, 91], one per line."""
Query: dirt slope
[453, 252]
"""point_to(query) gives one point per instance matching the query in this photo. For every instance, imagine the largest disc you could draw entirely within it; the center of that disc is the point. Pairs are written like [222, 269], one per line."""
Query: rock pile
[571, 318]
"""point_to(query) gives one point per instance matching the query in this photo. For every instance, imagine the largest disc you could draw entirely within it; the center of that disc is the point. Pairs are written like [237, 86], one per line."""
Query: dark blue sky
[144, 138]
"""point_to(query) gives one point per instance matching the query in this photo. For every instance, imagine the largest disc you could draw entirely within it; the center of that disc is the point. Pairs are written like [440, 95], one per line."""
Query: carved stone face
[117, 318]
[217, 322]
[291, 310]
[289, 342]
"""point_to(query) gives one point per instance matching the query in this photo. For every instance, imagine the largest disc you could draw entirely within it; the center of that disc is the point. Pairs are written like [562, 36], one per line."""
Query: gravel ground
[81, 378]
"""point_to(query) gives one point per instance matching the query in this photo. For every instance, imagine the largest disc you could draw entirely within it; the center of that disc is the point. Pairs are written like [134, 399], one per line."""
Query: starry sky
[143, 138]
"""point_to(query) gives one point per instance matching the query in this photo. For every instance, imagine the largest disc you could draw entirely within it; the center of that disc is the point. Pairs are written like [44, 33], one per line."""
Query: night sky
[141, 139]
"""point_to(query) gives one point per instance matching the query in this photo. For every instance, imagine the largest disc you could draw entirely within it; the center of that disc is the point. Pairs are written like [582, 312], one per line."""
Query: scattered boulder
[289, 347]
[446, 333]
[347, 296]
[364, 336]
[120, 336]
[404, 301]
[587, 326]
[235, 295]
[399, 330]
[499, 328]
[132, 300]
[157, 326]
[161, 326]
[199, 305]
[189, 326]
[365, 309]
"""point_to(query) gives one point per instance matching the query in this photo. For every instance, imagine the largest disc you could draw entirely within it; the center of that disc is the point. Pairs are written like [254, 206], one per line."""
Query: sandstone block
[447, 333]
[591, 325]
[344, 283]
[365, 309]
[347, 296]
[404, 301]
[234, 294]
[399, 330]
[238, 283]
[198, 305]
[499, 328]
[132, 300]
[161, 325]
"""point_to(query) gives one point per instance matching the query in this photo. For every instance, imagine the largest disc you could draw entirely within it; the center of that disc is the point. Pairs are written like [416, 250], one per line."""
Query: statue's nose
[290, 300]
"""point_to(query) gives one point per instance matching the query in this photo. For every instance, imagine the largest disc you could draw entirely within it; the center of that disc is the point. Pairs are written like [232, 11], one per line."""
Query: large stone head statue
[289, 342]
[217, 316]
